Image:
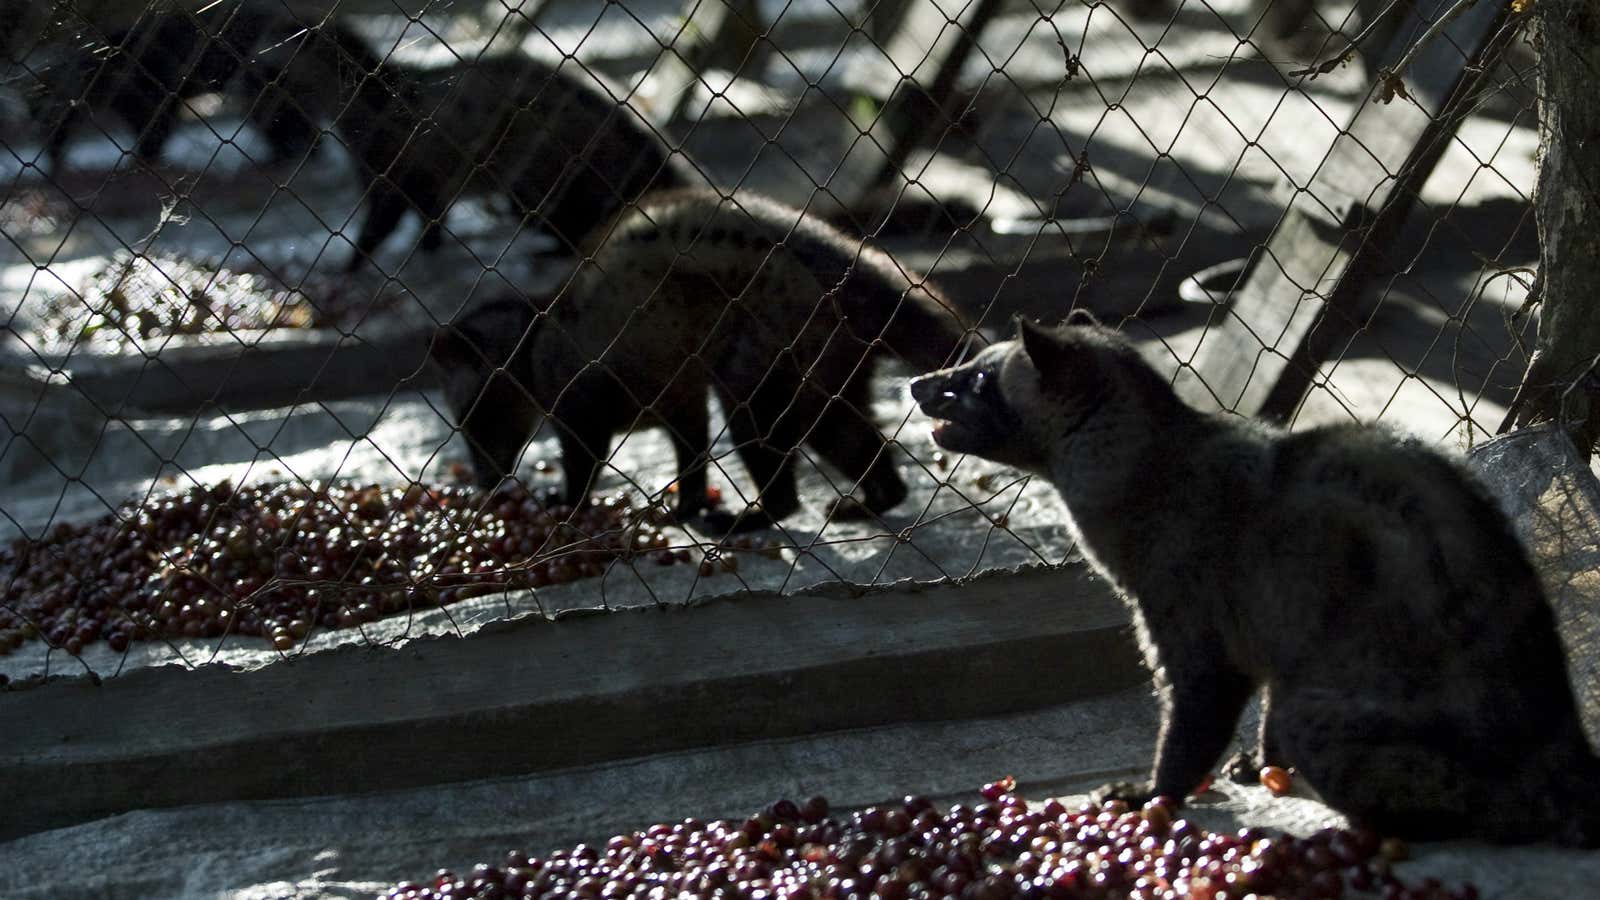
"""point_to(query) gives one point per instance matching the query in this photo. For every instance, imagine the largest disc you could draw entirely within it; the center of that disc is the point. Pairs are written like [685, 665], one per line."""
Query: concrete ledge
[259, 370]
[1042, 275]
[251, 370]
[535, 694]
[356, 846]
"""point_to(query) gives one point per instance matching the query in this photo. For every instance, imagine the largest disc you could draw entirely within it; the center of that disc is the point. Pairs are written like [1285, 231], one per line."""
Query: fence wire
[359, 320]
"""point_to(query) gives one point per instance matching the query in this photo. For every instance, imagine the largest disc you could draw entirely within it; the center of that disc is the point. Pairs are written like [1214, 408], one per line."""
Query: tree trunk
[1561, 382]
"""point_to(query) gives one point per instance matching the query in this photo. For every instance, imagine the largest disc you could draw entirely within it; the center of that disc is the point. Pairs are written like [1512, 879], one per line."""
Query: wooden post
[1560, 384]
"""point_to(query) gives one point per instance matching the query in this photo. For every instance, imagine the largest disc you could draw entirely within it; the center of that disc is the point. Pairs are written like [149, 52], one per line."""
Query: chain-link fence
[353, 321]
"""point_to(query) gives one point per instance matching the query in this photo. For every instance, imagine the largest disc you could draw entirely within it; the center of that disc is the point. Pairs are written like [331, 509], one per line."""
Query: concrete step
[535, 694]
[355, 846]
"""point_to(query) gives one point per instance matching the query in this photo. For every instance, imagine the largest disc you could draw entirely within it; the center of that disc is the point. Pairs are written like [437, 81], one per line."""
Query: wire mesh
[358, 320]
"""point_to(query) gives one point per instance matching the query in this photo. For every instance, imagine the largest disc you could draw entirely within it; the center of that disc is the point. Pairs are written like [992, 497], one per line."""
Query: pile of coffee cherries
[281, 561]
[998, 850]
[139, 297]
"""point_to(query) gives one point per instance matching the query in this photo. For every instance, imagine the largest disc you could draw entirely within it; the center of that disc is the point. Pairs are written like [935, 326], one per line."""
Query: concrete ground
[948, 521]
[1173, 117]
[349, 845]
[353, 846]
[1197, 129]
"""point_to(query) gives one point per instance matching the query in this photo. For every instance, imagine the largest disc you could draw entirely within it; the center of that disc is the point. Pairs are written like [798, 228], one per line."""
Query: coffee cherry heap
[999, 850]
[281, 561]
[138, 297]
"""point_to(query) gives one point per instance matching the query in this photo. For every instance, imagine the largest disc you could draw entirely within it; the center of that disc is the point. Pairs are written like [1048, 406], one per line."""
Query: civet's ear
[1081, 316]
[1039, 342]
[1063, 364]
